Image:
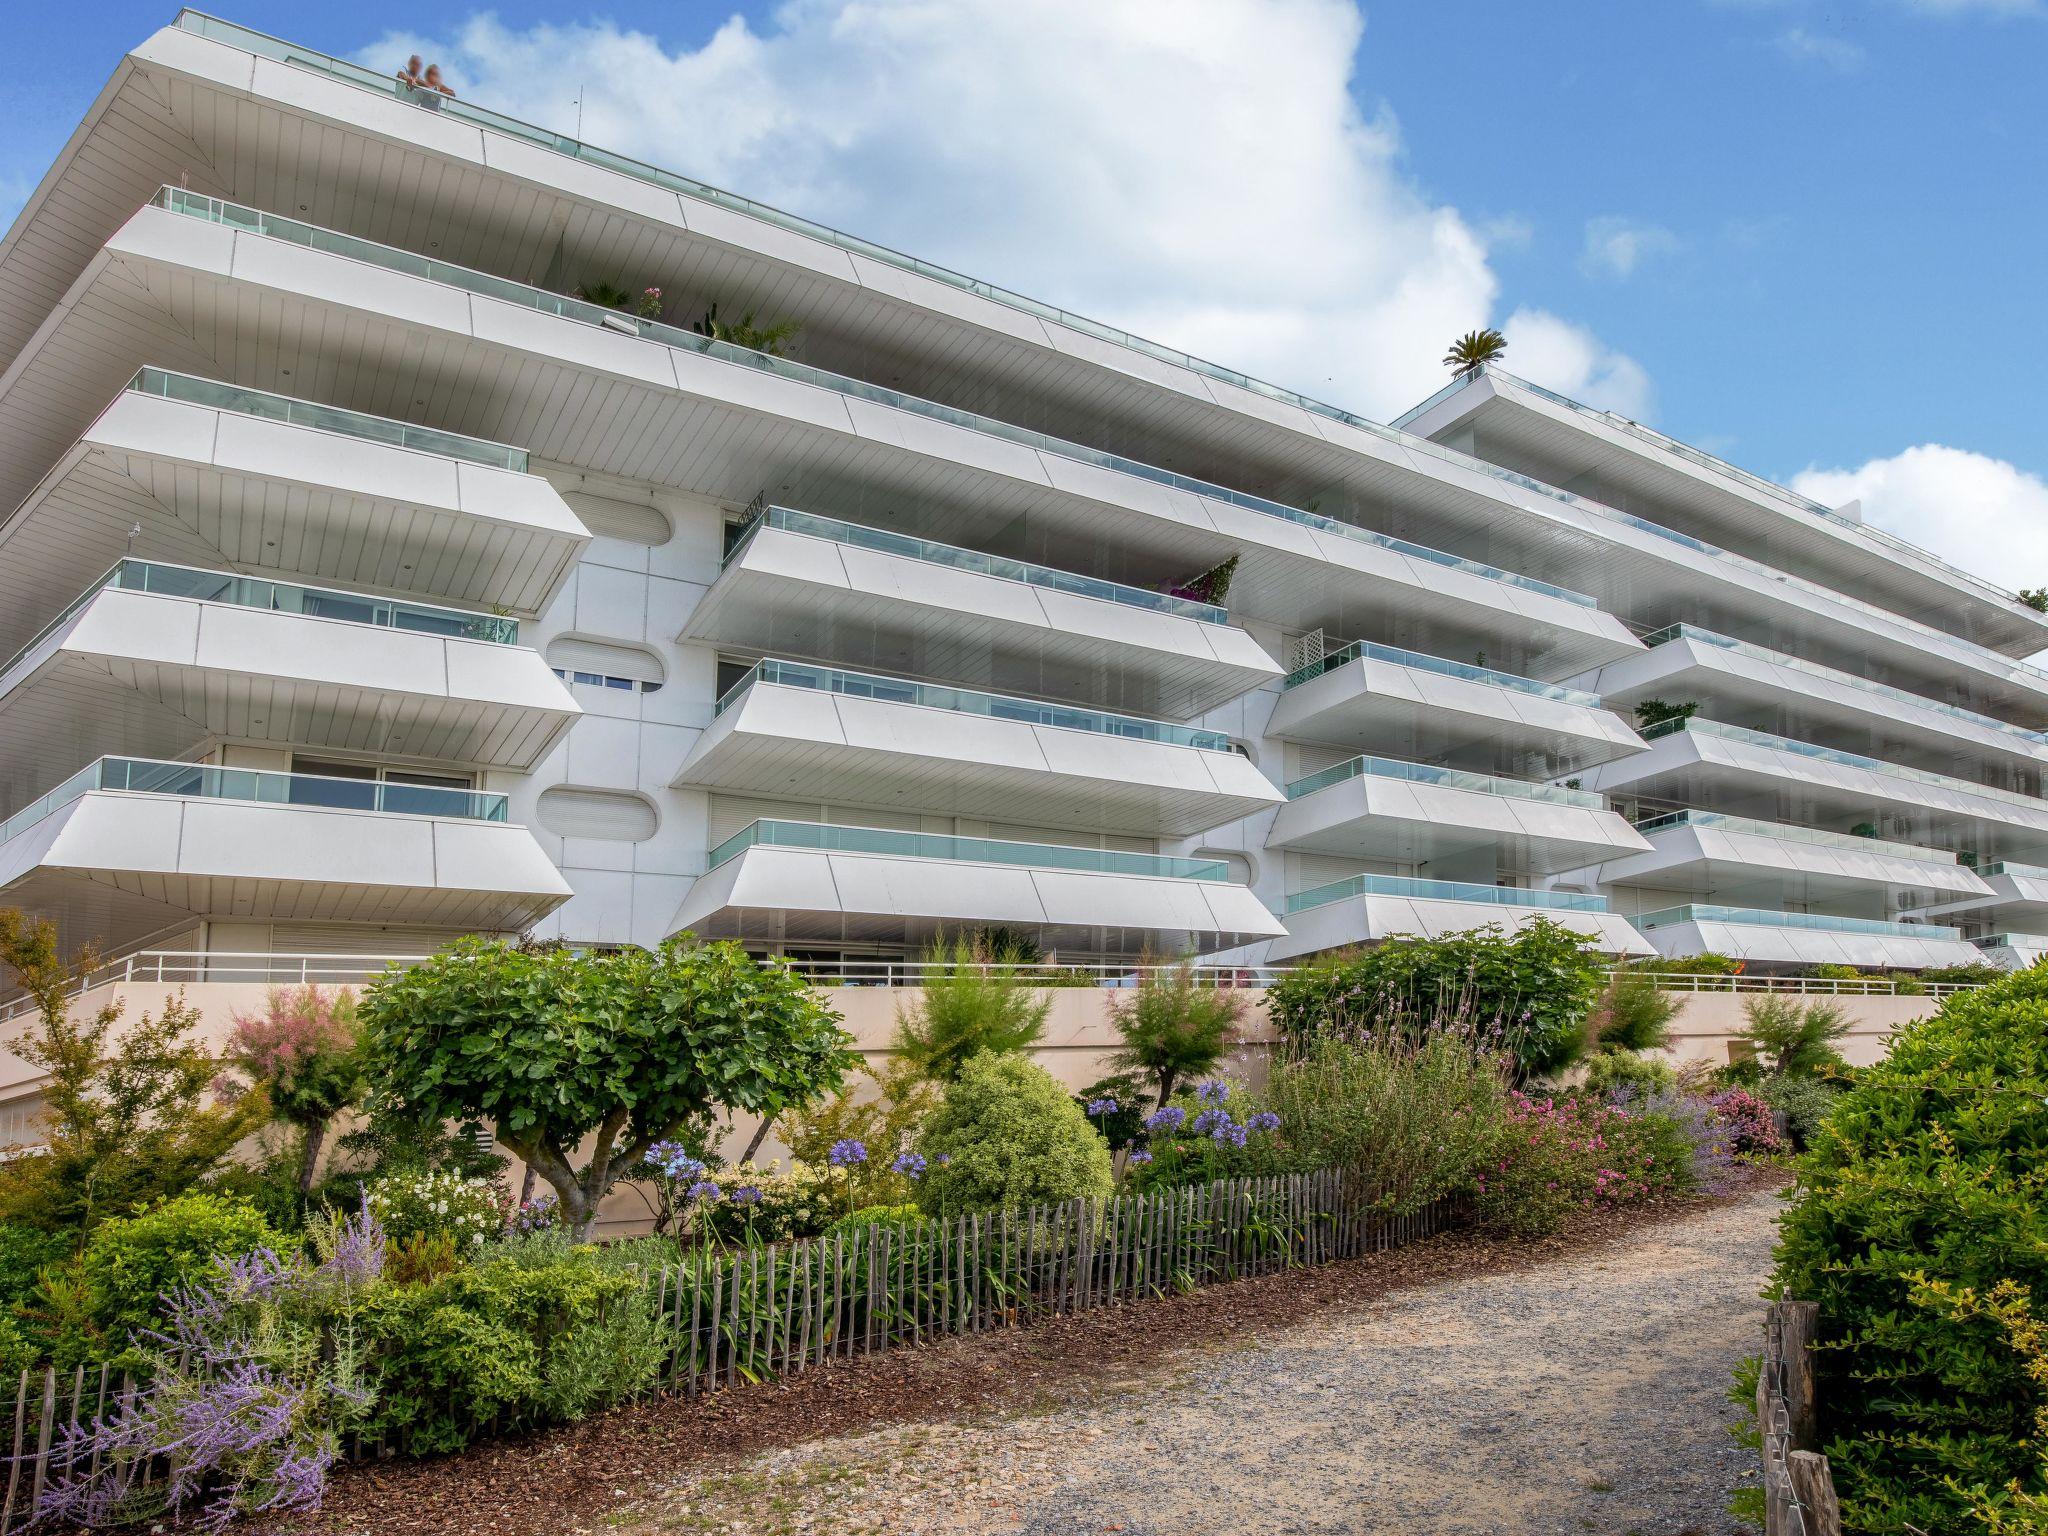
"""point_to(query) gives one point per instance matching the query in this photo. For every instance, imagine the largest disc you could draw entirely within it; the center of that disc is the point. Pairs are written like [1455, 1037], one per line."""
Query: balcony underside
[1369, 919]
[808, 745]
[1377, 820]
[1513, 426]
[775, 896]
[198, 297]
[220, 490]
[1733, 686]
[142, 675]
[2009, 901]
[1747, 870]
[791, 595]
[115, 868]
[1808, 946]
[1382, 707]
[1688, 768]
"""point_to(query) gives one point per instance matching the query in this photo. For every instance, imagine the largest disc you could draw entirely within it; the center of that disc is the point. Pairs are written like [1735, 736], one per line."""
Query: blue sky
[1788, 231]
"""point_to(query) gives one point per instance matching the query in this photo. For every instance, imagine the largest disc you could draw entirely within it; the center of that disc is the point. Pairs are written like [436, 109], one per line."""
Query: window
[604, 680]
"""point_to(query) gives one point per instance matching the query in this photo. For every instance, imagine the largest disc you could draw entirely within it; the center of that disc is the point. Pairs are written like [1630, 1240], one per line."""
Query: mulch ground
[567, 1480]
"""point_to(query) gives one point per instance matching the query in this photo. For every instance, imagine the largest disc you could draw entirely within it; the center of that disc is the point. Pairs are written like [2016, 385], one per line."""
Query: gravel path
[1582, 1395]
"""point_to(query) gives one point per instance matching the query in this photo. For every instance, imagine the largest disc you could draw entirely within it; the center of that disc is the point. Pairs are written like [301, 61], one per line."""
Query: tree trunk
[309, 1159]
[526, 1186]
[754, 1144]
[1165, 1089]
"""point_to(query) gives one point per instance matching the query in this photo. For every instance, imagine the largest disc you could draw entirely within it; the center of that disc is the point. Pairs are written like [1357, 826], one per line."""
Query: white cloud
[1571, 360]
[1981, 513]
[1836, 53]
[1615, 246]
[1211, 183]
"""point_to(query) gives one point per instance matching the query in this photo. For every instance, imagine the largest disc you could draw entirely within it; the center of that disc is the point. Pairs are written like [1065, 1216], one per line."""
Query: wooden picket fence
[751, 1314]
[1799, 1489]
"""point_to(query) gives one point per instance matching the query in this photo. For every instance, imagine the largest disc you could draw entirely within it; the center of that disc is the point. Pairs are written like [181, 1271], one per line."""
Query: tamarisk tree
[581, 1062]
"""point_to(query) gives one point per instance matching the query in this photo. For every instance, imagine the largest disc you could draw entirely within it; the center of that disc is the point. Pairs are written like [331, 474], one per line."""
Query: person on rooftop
[432, 80]
[410, 75]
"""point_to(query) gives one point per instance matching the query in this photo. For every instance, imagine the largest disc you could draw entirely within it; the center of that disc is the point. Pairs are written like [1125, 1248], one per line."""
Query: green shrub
[878, 1216]
[469, 1212]
[1633, 1014]
[972, 999]
[1221, 1132]
[1833, 972]
[24, 1253]
[524, 1341]
[1788, 1038]
[1708, 964]
[1979, 974]
[1928, 1170]
[1008, 1135]
[1642, 1075]
[1533, 988]
[1803, 1101]
[791, 1202]
[1565, 1154]
[133, 1260]
[1125, 1125]
[883, 1114]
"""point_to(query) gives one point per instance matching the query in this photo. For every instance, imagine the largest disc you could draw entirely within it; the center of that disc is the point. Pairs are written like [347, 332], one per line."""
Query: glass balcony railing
[967, 701]
[272, 226]
[932, 552]
[2012, 941]
[204, 781]
[1370, 651]
[1439, 890]
[1672, 632]
[1785, 832]
[282, 597]
[326, 418]
[1697, 912]
[2018, 871]
[1446, 778]
[1846, 759]
[965, 850]
[307, 58]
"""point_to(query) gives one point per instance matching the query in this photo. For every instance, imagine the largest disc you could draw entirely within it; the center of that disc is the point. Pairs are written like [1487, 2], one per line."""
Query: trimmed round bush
[133, 1260]
[1007, 1135]
[1923, 1190]
[1643, 1076]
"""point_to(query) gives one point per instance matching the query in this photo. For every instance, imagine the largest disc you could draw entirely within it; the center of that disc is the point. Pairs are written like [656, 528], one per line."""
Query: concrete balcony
[1744, 862]
[2014, 896]
[1380, 698]
[126, 847]
[194, 472]
[1367, 908]
[1802, 938]
[1379, 810]
[787, 882]
[797, 732]
[154, 660]
[1734, 679]
[804, 585]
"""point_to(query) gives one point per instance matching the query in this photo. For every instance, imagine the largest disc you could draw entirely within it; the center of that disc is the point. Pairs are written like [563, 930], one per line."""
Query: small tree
[1173, 1028]
[596, 1056]
[302, 1052]
[128, 1113]
[1471, 352]
[746, 332]
[1633, 1014]
[973, 999]
[1793, 1039]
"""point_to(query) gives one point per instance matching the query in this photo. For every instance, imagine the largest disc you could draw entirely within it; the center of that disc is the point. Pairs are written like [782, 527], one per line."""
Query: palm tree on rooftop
[1474, 350]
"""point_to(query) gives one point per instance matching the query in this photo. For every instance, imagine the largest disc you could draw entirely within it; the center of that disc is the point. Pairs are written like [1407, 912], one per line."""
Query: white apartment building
[364, 585]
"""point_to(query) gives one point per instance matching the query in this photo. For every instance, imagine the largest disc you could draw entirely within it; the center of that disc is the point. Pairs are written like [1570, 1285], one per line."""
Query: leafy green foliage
[1963, 975]
[1633, 1014]
[1788, 1038]
[302, 1052]
[1528, 992]
[468, 1212]
[748, 332]
[1652, 713]
[1641, 1075]
[878, 1216]
[128, 1112]
[1565, 1154]
[1929, 1170]
[972, 1000]
[883, 1112]
[1173, 1028]
[131, 1261]
[1008, 1135]
[1803, 1101]
[596, 1056]
[1125, 1124]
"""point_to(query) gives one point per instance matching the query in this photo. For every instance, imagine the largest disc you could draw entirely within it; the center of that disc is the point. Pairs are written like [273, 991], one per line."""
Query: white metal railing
[176, 967]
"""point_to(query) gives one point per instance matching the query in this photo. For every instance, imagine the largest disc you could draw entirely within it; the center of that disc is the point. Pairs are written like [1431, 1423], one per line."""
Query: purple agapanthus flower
[1264, 1120]
[673, 1159]
[1140, 1156]
[1102, 1106]
[705, 1189]
[847, 1152]
[746, 1194]
[909, 1164]
[1215, 1091]
[1210, 1121]
[1170, 1118]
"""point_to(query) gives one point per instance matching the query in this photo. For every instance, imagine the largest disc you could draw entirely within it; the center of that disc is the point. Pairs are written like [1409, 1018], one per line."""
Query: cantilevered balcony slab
[149, 673]
[1703, 762]
[804, 585]
[1369, 908]
[193, 281]
[799, 732]
[2012, 951]
[235, 479]
[1734, 679]
[1741, 861]
[2015, 896]
[1377, 810]
[798, 882]
[1802, 938]
[114, 864]
[1379, 699]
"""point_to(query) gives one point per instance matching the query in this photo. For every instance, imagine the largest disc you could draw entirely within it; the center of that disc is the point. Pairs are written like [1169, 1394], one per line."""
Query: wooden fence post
[1814, 1486]
[1799, 1322]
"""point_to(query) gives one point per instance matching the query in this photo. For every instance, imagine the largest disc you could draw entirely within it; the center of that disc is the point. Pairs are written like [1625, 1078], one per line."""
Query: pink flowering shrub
[1561, 1155]
[1752, 1128]
[301, 1051]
